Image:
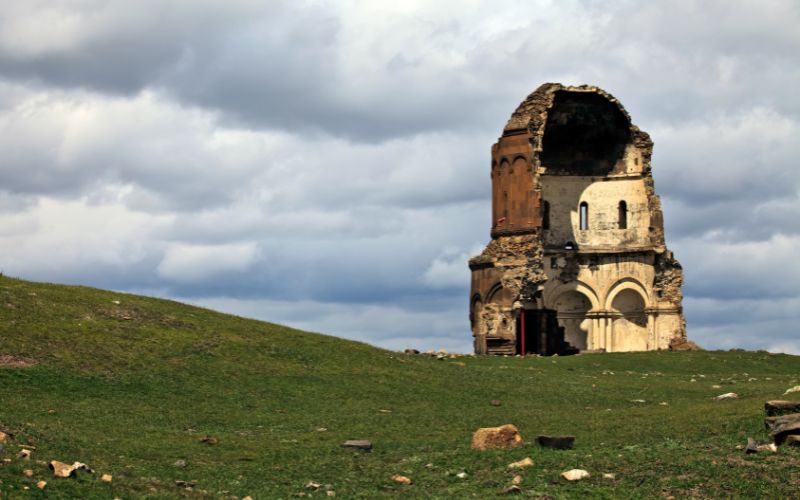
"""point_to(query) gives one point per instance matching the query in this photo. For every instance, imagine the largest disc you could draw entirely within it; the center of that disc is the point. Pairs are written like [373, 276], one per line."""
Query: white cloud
[66, 239]
[195, 264]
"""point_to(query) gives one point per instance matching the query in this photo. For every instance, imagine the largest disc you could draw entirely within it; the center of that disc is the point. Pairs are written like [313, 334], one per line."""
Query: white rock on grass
[727, 395]
[401, 479]
[575, 474]
[525, 462]
[793, 389]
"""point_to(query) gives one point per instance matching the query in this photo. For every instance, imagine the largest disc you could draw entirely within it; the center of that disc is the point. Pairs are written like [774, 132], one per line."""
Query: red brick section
[515, 203]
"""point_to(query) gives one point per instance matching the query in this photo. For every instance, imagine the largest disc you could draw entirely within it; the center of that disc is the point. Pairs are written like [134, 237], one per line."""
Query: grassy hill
[130, 385]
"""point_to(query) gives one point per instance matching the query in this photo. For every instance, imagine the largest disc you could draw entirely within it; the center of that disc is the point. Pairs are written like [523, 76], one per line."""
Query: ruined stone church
[577, 259]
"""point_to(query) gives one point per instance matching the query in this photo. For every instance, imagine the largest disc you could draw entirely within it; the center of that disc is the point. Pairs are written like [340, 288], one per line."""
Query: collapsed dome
[585, 134]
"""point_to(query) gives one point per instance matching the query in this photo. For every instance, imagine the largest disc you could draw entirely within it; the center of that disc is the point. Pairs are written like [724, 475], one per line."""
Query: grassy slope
[130, 388]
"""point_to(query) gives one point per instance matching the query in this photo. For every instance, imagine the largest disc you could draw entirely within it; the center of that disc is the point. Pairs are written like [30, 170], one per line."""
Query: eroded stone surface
[577, 259]
[505, 436]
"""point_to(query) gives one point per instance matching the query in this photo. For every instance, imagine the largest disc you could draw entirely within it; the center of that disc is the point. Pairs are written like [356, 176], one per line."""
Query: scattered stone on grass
[462, 475]
[609, 475]
[311, 485]
[792, 389]
[322, 429]
[770, 423]
[727, 395]
[330, 493]
[24, 454]
[27, 473]
[3, 437]
[209, 440]
[663, 403]
[6, 460]
[41, 484]
[575, 474]
[778, 407]
[782, 431]
[521, 464]
[397, 478]
[60, 469]
[411, 351]
[357, 444]
[185, 484]
[638, 401]
[792, 440]
[385, 411]
[505, 436]
[752, 446]
[768, 447]
[180, 463]
[516, 479]
[512, 490]
[106, 478]
[248, 497]
[495, 402]
[556, 442]
[9, 361]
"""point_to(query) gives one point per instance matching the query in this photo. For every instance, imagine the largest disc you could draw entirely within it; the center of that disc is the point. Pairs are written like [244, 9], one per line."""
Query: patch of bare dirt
[11, 361]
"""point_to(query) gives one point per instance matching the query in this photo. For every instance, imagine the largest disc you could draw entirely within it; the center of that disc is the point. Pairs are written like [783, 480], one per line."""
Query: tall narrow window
[546, 215]
[584, 216]
[623, 215]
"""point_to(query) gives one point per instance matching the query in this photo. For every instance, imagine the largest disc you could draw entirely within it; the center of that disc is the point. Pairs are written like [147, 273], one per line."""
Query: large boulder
[774, 408]
[505, 436]
[771, 423]
[782, 431]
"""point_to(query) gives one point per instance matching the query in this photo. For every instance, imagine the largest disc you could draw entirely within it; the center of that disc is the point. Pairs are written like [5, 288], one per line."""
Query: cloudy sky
[326, 164]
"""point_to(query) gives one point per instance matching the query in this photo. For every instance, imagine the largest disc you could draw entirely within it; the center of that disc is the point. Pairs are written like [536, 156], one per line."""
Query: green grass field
[129, 385]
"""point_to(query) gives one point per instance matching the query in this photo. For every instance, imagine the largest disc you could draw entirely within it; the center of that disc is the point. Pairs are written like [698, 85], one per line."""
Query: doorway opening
[538, 332]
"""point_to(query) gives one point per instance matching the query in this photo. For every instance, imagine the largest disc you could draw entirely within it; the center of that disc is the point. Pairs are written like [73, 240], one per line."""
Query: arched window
[623, 215]
[584, 216]
[546, 215]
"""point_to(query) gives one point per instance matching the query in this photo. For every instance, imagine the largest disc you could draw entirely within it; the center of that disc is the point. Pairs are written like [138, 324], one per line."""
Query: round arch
[626, 284]
[475, 305]
[551, 298]
[497, 294]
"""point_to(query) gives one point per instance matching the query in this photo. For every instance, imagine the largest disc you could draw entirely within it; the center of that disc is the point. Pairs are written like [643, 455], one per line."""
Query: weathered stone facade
[577, 259]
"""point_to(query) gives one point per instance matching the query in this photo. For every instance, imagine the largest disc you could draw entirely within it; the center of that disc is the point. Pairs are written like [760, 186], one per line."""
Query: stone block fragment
[505, 436]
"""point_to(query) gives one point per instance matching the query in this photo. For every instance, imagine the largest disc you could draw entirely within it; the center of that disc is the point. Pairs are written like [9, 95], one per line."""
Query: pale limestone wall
[630, 330]
[599, 279]
[565, 194]
[571, 308]
[608, 302]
